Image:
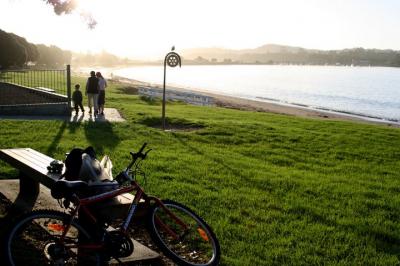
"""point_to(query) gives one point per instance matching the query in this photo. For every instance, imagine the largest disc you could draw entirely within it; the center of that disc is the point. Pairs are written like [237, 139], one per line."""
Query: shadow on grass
[7, 171]
[383, 241]
[172, 124]
[216, 159]
[53, 145]
[101, 135]
[386, 242]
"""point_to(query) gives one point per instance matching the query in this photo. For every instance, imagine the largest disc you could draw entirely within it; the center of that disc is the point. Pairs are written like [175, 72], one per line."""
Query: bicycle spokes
[184, 234]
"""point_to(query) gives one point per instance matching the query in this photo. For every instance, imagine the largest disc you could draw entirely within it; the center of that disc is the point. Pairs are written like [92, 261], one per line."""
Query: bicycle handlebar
[139, 154]
[124, 175]
[142, 148]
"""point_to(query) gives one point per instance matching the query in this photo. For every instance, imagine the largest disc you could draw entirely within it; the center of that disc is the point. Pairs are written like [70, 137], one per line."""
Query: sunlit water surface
[366, 91]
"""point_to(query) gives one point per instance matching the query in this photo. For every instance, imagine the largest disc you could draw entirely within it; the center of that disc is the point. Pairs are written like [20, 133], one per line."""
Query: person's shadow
[77, 118]
[101, 135]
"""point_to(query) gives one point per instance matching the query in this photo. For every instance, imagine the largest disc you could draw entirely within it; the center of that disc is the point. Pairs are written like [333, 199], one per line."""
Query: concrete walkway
[110, 115]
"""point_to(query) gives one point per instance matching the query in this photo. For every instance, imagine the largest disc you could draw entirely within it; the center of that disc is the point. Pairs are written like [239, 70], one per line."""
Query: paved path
[110, 115]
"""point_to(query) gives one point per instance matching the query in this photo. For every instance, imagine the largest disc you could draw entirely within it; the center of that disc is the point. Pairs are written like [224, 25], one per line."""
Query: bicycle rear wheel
[191, 244]
[36, 240]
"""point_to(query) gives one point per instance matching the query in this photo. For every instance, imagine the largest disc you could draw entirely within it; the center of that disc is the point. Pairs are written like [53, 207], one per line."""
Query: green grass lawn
[277, 190]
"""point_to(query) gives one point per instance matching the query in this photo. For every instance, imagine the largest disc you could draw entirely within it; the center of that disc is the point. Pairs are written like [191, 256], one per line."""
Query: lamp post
[172, 59]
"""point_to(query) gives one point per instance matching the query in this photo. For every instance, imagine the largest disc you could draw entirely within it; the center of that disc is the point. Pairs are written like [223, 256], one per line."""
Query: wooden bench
[33, 175]
[32, 166]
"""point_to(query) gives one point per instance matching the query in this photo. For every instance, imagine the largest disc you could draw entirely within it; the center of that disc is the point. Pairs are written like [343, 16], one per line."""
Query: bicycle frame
[91, 230]
[81, 205]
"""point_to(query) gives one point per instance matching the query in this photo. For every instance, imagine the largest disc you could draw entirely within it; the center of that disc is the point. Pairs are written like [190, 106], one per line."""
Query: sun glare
[87, 5]
[147, 29]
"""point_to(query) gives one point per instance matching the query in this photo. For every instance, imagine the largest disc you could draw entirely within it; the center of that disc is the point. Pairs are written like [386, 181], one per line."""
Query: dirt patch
[177, 128]
[129, 90]
[172, 124]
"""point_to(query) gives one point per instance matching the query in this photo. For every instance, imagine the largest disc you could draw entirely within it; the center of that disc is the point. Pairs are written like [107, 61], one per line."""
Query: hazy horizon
[147, 29]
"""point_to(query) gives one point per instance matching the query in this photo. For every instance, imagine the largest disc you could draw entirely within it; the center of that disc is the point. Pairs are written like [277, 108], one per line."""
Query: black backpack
[73, 162]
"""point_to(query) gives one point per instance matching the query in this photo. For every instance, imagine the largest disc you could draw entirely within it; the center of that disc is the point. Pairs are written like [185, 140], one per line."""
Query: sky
[146, 29]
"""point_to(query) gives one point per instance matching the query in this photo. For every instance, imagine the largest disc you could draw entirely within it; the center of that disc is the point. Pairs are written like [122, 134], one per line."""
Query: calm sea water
[366, 91]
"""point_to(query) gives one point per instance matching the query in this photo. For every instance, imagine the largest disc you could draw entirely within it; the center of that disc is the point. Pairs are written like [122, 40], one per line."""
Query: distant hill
[218, 52]
[282, 54]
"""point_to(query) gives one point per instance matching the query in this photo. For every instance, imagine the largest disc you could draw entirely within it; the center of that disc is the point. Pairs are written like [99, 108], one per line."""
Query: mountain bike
[50, 237]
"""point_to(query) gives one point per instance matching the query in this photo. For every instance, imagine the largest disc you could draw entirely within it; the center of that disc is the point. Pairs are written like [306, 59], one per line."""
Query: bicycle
[49, 237]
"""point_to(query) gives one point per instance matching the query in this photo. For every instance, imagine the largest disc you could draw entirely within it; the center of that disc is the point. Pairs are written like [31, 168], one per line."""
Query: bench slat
[22, 157]
[17, 157]
[23, 160]
[37, 155]
[31, 157]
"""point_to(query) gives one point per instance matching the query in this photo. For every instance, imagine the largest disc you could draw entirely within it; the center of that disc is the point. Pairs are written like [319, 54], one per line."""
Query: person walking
[77, 99]
[92, 92]
[102, 92]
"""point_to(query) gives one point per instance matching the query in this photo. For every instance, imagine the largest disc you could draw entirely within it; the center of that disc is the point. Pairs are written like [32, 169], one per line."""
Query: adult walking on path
[92, 91]
[102, 92]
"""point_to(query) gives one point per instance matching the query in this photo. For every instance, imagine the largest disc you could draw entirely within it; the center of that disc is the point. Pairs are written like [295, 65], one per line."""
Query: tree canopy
[62, 7]
[16, 51]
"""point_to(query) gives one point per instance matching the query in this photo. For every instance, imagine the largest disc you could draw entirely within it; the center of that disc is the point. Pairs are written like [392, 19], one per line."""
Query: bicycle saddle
[65, 189]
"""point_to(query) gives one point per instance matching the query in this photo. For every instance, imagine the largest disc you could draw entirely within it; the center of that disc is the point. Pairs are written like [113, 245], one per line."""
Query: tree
[62, 7]
[31, 51]
[17, 51]
[53, 56]
[12, 53]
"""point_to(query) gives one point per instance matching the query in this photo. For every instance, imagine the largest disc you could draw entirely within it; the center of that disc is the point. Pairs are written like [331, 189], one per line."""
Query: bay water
[372, 92]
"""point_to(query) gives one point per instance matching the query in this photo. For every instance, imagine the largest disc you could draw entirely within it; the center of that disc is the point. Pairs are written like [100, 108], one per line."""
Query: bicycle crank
[56, 253]
[118, 244]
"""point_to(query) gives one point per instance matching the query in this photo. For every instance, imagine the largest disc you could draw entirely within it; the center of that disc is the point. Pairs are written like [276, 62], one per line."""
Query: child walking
[77, 98]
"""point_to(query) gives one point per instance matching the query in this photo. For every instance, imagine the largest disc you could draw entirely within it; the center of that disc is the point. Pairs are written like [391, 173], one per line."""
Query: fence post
[69, 87]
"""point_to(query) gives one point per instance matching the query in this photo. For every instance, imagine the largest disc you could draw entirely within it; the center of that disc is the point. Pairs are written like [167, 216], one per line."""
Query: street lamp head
[172, 59]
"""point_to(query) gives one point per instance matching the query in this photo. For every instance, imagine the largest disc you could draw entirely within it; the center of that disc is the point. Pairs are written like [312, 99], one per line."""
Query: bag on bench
[81, 164]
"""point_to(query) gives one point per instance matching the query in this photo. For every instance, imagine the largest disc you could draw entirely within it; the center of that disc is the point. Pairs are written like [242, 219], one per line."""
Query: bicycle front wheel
[36, 239]
[182, 235]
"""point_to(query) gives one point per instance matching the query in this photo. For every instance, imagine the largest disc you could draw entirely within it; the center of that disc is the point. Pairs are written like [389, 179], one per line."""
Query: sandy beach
[263, 106]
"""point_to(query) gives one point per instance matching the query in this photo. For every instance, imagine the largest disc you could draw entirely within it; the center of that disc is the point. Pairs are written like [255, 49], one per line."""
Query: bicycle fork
[167, 228]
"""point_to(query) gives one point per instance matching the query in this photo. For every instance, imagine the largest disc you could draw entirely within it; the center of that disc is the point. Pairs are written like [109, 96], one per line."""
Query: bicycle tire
[33, 241]
[198, 245]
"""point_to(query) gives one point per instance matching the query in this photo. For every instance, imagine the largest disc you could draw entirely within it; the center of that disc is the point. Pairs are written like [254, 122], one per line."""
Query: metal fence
[50, 80]
[57, 81]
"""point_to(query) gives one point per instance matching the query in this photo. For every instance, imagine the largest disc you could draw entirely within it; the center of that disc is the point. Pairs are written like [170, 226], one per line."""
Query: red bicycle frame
[81, 205]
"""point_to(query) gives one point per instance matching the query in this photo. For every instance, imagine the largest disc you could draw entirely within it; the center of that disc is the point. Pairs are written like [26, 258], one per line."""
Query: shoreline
[297, 110]
[266, 105]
